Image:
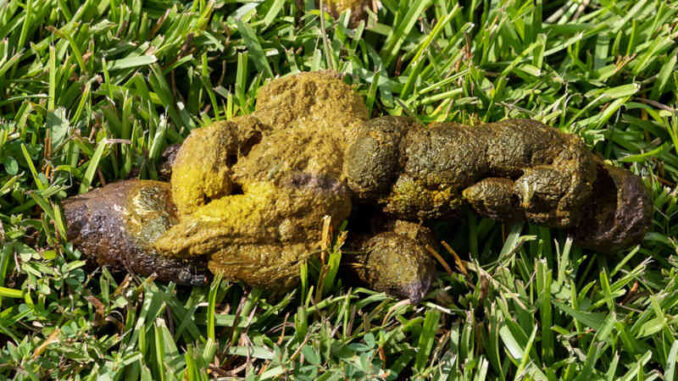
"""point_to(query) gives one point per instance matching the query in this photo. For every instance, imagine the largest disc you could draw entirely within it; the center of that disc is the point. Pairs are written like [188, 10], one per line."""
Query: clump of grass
[91, 92]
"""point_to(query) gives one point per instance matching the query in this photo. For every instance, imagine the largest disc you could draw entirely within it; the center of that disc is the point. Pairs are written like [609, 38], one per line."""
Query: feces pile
[247, 198]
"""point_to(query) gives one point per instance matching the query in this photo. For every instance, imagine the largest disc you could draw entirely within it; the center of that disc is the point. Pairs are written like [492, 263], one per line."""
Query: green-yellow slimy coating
[263, 214]
[148, 211]
[290, 180]
[261, 236]
[251, 193]
[202, 167]
[318, 99]
[303, 149]
[269, 266]
[200, 176]
[240, 233]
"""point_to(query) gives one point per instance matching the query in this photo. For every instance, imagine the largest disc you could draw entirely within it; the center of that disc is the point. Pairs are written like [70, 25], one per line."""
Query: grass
[91, 92]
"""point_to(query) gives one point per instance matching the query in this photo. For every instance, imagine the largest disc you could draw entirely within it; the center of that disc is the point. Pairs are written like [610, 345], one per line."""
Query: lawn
[93, 91]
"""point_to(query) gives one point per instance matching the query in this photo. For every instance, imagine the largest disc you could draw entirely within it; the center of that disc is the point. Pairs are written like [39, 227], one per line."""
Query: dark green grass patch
[92, 92]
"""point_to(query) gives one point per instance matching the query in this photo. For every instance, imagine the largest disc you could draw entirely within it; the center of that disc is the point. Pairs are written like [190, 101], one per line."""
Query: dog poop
[247, 197]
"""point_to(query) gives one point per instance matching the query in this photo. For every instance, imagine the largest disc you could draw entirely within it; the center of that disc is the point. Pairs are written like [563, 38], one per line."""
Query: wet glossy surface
[247, 197]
